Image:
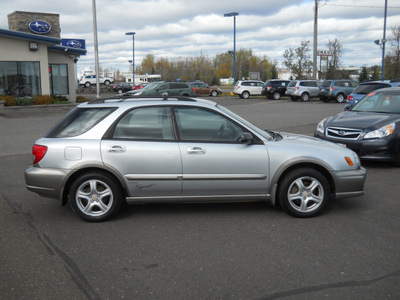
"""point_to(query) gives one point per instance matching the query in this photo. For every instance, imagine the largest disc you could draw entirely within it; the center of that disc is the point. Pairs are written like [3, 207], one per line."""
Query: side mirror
[246, 138]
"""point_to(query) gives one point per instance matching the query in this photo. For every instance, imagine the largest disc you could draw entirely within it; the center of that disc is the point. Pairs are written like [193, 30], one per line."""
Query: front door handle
[195, 150]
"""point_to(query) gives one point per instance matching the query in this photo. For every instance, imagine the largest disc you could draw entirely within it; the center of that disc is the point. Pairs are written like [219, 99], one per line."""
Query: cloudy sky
[182, 28]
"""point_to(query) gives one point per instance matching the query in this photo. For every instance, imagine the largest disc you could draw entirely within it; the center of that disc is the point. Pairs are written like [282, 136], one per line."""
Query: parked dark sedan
[371, 128]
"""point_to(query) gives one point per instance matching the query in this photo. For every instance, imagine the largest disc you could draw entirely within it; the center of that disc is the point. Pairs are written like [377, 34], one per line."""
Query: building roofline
[70, 50]
[29, 37]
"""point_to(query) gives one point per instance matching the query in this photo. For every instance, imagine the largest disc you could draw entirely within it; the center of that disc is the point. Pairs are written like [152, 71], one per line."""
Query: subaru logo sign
[74, 44]
[40, 27]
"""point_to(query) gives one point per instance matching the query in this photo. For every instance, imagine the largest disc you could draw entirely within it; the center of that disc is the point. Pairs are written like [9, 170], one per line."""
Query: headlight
[320, 126]
[381, 132]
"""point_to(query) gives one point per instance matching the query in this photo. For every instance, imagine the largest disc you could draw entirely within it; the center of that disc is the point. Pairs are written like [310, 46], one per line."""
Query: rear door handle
[195, 150]
[116, 149]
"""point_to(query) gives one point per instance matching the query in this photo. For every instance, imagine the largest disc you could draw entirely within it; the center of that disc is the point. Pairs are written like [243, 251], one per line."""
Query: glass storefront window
[58, 75]
[20, 78]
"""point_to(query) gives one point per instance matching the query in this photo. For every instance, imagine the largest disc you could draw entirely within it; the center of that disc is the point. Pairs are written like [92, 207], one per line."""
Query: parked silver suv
[145, 150]
[246, 88]
[302, 89]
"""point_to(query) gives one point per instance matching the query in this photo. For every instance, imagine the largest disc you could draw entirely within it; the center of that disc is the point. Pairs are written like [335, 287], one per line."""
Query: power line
[361, 6]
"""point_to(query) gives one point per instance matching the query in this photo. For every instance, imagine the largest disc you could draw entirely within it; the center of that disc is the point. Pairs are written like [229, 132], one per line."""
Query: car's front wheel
[293, 98]
[246, 95]
[95, 197]
[304, 192]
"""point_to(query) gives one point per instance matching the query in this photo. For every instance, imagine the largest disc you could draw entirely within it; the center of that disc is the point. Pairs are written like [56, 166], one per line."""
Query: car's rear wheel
[246, 95]
[87, 83]
[119, 91]
[276, 95]
[107, 82]
[214, 93]
[340, 98]
[304, 192]
[95, 197]
[305, 97]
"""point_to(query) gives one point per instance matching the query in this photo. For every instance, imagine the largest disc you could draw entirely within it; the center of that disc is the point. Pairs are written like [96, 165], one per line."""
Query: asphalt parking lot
[197, 251]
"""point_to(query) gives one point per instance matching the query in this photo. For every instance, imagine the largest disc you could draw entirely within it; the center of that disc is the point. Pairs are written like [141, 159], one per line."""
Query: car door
[313, 88]
[214, 162]
[143, 150]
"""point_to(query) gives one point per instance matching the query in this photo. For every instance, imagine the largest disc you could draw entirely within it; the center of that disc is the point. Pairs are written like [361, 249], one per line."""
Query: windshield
[381, 102]
[151, 86]
[263, 133]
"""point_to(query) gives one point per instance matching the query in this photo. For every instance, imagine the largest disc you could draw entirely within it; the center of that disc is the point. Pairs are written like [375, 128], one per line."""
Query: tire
[95, 197]
[293, 98]
[324, 99]
[246, 95]
[119, 91]
[276, 95]
[304, 192]
[87, 84]
[107, 82]
[214, 93]
[305, 97]
[340, 98]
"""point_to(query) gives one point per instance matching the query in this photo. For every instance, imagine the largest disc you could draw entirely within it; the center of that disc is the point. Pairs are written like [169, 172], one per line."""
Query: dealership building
[35, 60]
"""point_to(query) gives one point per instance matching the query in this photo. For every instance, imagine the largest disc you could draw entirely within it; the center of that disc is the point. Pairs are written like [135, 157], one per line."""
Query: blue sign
[74, 43]
[40, 27]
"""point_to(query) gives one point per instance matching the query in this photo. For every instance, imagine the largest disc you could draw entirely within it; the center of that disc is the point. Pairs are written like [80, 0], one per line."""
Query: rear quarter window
[79, 121]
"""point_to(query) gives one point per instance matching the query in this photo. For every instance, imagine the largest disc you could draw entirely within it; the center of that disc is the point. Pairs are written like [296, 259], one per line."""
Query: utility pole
[96, 49]
[315, 70]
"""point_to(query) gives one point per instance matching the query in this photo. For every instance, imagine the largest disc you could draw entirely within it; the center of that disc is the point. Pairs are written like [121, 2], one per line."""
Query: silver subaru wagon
[140, 150]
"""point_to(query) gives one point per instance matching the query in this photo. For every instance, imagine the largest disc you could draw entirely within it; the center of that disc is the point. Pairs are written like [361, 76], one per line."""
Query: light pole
[382, 43]
[133, 55]
[233, 14]
[96, 48]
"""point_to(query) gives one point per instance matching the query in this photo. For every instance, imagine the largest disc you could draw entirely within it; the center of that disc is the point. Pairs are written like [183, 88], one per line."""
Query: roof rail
[126, 98]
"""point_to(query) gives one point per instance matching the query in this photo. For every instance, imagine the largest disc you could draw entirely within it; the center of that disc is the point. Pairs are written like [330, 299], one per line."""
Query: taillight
[331, 88]
[269, 87]
[192, 89]
[349, 98]
[38, 151]
[297, 87]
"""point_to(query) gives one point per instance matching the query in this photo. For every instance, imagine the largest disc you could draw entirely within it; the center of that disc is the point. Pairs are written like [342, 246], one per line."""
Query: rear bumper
[46, 182]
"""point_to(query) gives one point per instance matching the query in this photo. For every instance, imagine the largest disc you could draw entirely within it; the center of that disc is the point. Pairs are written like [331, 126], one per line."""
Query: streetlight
[133, 56]
[382, 43]
[233, 14]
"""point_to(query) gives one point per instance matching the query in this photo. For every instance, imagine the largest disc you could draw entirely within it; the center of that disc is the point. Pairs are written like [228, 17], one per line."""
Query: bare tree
[392, 59]
[298, 60]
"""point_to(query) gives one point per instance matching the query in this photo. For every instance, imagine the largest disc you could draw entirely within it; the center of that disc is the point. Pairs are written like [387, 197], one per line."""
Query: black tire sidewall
[117, 196]
[289, 179]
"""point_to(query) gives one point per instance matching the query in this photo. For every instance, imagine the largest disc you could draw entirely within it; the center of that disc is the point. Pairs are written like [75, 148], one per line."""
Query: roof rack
[140, 98]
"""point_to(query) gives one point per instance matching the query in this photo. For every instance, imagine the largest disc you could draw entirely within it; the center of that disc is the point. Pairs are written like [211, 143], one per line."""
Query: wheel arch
[284, 170]
[67, 186]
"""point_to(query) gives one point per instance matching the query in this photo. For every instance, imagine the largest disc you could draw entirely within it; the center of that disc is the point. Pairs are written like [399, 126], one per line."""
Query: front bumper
[383, 149]
[349, 183]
